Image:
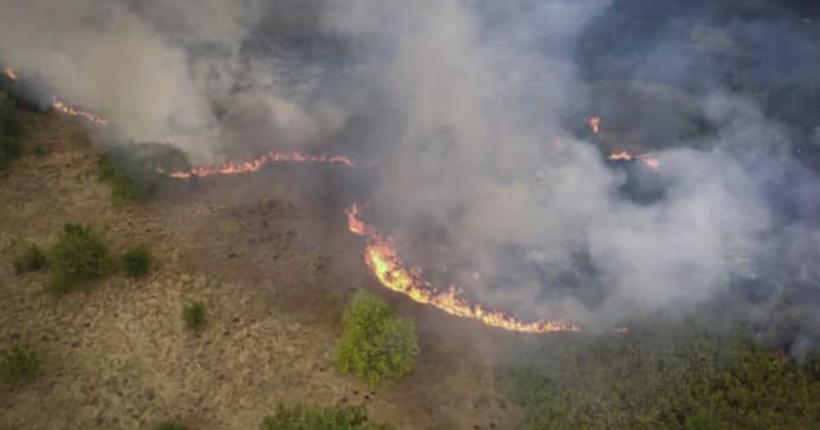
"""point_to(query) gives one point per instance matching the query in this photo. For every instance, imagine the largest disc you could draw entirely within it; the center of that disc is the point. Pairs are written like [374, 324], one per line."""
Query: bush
[134, 171]
[194, 315]
[136, 262]
[334, 418]
[19, 364]
[170, 425]
[376, 344]
[80, 255]
[29, 258]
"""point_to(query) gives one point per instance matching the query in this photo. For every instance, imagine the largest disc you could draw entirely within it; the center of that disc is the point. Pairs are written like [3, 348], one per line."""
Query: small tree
[136, 262]
[334, 418]
[80, 255]
[376, 344]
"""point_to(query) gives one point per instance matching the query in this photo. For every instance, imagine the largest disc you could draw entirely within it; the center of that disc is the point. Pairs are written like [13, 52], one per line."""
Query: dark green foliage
[170, 425]
[135, 171]
[18, 364]
[29, 258]
[333, 418]
[672, 378]
[194, 315]
[80, 255]
[376, 344]
[10, 146]
[136, 262]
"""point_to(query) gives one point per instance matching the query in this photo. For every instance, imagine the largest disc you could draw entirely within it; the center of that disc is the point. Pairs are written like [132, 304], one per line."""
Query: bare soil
[270, 257]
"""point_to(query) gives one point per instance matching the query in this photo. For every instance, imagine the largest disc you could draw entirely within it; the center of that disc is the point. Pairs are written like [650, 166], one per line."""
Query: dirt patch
[269, 256]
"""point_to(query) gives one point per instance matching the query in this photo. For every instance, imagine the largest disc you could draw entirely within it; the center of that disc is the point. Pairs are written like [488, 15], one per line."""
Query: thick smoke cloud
[475, 113]
[165, 71]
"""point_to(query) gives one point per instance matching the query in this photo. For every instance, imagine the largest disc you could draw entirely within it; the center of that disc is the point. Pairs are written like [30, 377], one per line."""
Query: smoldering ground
[475, 113]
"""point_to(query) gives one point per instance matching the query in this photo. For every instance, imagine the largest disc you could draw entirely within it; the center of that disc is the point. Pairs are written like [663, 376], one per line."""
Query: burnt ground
[270, 257]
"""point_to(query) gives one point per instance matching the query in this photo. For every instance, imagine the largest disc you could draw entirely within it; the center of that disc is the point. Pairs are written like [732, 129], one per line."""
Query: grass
[315, 418]
[19, 364]
[376, 345]
[170, 425]
[29, 258]
[194, 315]
[136, 262]
[79, 256]
[10, 146]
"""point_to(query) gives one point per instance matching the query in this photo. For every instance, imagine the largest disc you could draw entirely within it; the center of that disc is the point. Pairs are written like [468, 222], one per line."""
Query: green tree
[80, 255]
[376, 344]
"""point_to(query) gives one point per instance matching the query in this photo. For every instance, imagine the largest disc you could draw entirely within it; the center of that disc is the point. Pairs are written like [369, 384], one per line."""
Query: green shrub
[79, 255]
[136, 262]
[19, 364]
[134, 171]
[170, 425]
[29, 258]
[334, 418]
[376, 344]
[194, 315]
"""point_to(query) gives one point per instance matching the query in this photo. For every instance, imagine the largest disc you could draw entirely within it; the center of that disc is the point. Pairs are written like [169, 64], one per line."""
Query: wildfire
[61, 107]
[382, 259]
[595, 124]
[254, 165]
[648, 158]
[11, 73]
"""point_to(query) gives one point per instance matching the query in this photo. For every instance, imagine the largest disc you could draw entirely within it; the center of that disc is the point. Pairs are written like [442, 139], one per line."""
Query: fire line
[254, 165]
[382, 258]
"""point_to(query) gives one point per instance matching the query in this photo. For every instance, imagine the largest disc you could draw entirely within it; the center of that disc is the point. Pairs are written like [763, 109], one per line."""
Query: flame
[254, 165]
[595, 124]
[11, 73]
[649, 159]
[72, 111]
[382, 258]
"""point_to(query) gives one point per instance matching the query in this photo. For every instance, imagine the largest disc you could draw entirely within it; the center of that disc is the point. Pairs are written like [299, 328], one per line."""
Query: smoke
[474, 110]
[166, 71]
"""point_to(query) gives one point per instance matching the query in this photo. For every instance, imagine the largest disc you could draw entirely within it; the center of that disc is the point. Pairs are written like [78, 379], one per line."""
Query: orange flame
[254, 165]
[382, 258]
[648, 158]
[11, 73]
[72, 111]
[595, 124]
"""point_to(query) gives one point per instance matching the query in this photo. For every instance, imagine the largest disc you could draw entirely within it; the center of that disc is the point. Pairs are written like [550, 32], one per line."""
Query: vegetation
[334, 418]
[376, 344]
[676, 378]
[18, 364]
[136, 262]
[10, 146]
[134, 171]
[170, 425]
[80, 255]
[194, 315]
[29, 258]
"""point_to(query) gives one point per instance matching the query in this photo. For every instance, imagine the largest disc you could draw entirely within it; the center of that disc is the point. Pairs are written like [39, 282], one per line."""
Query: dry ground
[269, 256]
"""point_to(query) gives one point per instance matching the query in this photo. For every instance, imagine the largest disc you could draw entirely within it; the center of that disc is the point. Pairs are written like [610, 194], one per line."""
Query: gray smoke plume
[475, 111]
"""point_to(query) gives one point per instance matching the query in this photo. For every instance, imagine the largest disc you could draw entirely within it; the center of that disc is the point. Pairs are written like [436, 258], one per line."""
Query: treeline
[662, 378]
